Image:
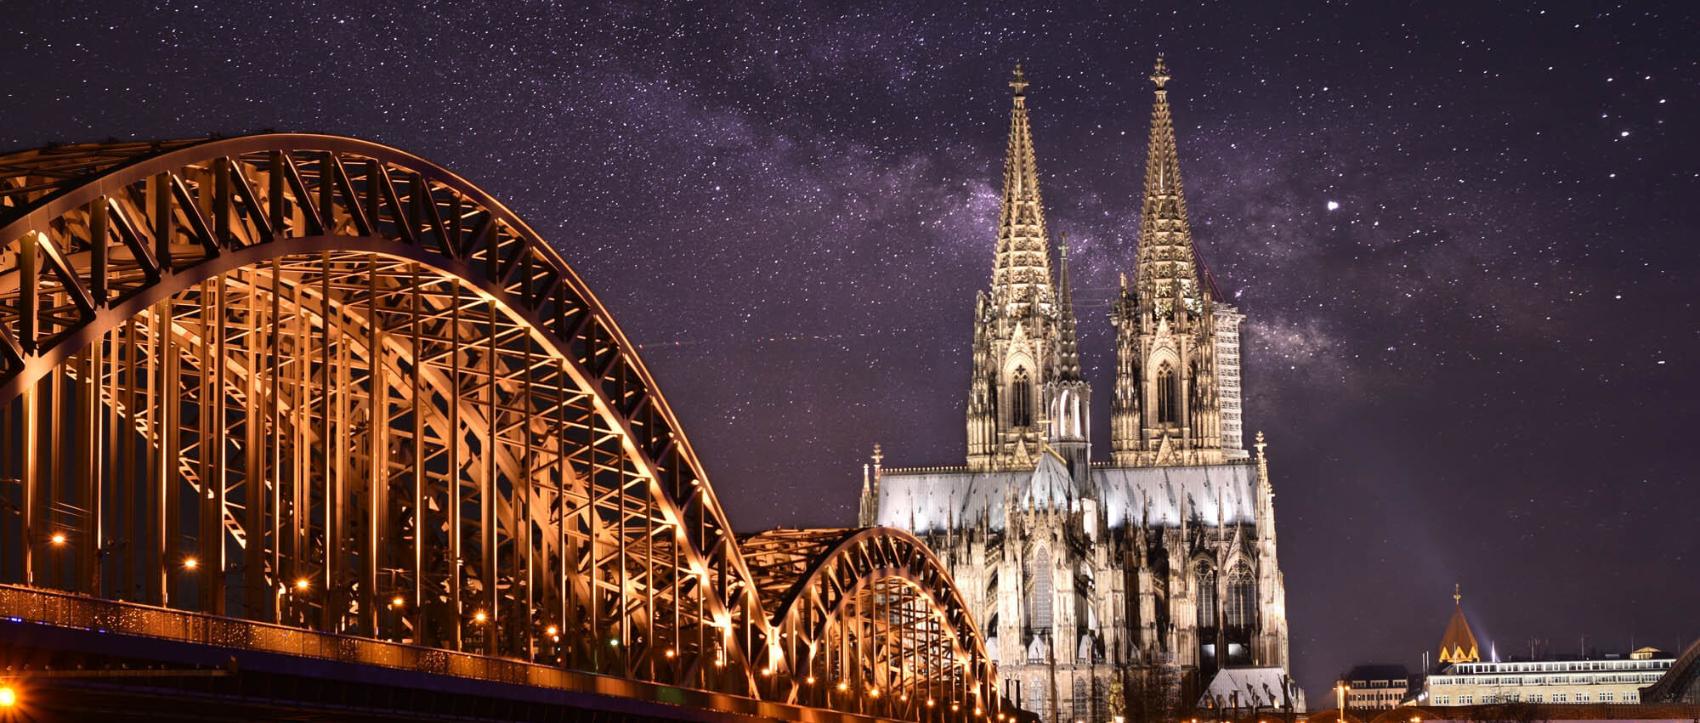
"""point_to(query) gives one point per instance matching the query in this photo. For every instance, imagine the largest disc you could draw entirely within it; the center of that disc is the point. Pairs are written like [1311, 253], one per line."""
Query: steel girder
[874, 622]
[320, 382]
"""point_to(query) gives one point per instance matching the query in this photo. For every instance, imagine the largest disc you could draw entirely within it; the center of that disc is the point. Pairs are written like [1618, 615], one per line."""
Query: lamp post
[1340, 695]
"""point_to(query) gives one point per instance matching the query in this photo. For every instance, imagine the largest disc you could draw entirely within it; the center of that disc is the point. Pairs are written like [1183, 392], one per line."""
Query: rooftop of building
[1377, 671]
[1528, 712]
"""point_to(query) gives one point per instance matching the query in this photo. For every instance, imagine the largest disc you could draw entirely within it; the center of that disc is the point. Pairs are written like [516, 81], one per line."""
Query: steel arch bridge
[313, 395]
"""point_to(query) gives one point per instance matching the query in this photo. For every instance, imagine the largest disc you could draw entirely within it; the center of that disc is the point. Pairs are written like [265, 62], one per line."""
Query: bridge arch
[319, 382]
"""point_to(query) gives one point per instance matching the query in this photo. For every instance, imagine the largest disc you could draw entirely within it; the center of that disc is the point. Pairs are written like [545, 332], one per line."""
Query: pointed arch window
[1205, 579]
[1040, 590]
[1168, 395]
[1242, 598]
[1020, 399]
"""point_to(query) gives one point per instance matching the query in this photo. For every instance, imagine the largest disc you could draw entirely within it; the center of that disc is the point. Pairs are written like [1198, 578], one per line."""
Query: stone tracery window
[1242, 597]
[1205, 579]
[1021, 399]
[1168, 395]
[1040, 589]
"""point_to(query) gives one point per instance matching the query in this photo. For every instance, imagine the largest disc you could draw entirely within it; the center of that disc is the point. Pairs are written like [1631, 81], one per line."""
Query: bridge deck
[75, 654]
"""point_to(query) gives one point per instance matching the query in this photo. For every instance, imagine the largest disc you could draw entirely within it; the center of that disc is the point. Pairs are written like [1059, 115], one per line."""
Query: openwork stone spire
[1068, 344]
[1023, 269]
[1167, 265]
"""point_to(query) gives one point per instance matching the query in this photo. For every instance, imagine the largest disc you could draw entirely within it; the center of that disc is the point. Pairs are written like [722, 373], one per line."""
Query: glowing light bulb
[190, 563]
[397, 602]
[843, 686]
[58, 539]
[551, 631]
[8, 697]
[480, 616]
[302, 584]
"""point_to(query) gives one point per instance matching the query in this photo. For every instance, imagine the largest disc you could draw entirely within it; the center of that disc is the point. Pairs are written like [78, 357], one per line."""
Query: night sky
[1465, 238]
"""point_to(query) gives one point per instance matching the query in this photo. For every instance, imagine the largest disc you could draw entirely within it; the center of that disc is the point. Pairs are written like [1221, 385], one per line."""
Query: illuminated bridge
[302, 425]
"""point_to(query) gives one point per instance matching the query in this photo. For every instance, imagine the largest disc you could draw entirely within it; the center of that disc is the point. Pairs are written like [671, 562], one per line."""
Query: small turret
[1458, 643]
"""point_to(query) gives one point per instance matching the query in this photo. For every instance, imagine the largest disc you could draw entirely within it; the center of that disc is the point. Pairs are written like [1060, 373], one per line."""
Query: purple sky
[1479, 367]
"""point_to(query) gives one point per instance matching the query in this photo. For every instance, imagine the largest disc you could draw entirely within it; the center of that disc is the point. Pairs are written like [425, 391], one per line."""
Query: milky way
[1465, 238]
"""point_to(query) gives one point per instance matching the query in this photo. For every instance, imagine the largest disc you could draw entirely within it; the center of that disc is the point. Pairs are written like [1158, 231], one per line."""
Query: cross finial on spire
[1457, 594]
[1020, 81]
[1160, 76]
[878, 455]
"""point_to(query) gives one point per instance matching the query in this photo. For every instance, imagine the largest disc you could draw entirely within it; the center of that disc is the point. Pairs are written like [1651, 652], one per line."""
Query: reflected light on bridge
[219, 292]
[8, 697]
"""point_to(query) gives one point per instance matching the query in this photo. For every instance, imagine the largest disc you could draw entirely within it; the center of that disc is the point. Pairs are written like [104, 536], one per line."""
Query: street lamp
[1340, 695]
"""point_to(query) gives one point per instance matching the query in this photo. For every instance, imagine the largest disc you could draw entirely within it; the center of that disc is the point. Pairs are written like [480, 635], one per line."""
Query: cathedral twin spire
[1026, 393]
[1028, 390]
[1023, 270]
[1167, 269]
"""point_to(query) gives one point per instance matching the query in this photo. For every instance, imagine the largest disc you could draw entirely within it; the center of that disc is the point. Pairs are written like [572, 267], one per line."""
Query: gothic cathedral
[1084, 573]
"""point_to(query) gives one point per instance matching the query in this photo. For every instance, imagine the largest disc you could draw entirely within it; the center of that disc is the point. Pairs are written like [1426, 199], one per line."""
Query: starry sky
[1465, 236]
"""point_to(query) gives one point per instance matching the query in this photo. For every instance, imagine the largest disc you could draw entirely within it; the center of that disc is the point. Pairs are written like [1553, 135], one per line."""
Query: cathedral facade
[1082, 573]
